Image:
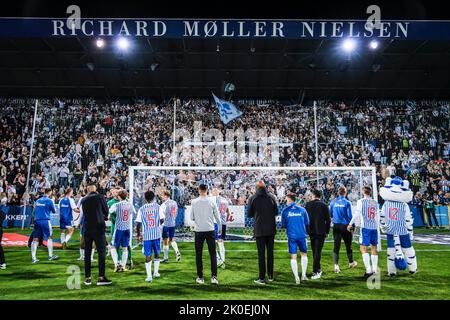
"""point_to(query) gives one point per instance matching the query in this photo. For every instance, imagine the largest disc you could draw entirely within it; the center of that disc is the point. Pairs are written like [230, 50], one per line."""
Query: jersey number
[125, 215]
[393, 214]
[151, 220]
[371, 214]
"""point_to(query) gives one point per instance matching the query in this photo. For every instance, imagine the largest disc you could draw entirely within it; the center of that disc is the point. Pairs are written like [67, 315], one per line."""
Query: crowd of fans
[92, 142]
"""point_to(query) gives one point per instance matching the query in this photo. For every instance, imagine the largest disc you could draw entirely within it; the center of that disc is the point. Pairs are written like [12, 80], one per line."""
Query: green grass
[47, 280]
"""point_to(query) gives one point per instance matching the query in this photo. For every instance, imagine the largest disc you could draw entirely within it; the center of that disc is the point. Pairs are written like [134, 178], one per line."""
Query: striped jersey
[66, 205]
[170, 211]
[149, 216]
[395, 215]
[367, 210]
[124, 211]
[222, 207]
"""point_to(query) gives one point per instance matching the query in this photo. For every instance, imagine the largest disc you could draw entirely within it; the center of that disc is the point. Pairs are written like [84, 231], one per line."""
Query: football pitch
[47, 280]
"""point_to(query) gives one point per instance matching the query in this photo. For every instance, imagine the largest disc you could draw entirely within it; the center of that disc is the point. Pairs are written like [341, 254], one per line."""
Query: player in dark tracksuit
[341, 214]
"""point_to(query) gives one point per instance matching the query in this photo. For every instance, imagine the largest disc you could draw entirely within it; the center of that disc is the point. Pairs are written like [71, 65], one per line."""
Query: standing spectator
[2, 255]
[263, 207]
[95, 211]
[203, 214]
[319, 227]
[64, 176]
[430, 209]
[341, 213]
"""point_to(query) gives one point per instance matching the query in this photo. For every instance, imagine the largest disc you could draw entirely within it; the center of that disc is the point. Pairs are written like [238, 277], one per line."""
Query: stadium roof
[162, 68]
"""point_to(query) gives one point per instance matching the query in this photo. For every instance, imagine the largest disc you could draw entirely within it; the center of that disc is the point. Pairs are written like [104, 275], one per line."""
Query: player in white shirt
[124, 211]
[169, 209]
[224, 213]
[367, 214]
[150, 217]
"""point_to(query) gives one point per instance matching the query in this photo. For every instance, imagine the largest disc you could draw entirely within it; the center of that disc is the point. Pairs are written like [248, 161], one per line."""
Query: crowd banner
[418, 215]
[442, 215]
[14, 216]
[224, 28]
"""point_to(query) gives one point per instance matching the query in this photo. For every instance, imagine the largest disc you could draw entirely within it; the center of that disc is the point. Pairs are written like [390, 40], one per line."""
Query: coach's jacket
[263, 207]
[95, 212]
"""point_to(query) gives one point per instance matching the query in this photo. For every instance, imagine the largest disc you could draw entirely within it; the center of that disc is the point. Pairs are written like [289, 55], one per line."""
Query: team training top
[124, 211]
[149, 216]
[341, 210]
[367, 213]
[296, 221]
[43, 207]
[169, 209]
[66, 205]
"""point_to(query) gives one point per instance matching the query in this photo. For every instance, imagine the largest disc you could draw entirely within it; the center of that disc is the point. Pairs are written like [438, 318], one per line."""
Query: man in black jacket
[263, 207]
[319, 227]
[95, 213]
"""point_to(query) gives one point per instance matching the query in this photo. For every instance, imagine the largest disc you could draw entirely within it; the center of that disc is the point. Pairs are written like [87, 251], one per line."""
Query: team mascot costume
[397, 223]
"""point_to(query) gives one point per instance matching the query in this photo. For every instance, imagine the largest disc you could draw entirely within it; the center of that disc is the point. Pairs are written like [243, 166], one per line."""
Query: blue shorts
[168, 232]
[368, 237]
[224, 232]
[121, 238]
[152, 246]
[405, 241]
[65, 222]
[300, 243]
[42, 228]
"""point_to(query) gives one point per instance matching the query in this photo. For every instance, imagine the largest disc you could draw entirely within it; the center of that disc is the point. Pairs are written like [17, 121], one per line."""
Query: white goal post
[369, 172]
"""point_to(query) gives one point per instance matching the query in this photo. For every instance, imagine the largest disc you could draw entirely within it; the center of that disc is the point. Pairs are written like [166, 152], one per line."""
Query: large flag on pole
[227, 111]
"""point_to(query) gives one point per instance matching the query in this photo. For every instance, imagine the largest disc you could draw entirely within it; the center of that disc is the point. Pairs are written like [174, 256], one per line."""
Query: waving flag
[227, 111]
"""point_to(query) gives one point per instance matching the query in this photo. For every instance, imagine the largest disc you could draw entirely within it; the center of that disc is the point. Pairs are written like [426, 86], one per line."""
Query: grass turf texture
[47, 279]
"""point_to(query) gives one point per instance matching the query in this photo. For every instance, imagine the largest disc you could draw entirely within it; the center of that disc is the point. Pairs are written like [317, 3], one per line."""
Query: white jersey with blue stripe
[394, 216]
[149, 216]
[222, 207]
[170, 210]
[124, 214]
[367, 210]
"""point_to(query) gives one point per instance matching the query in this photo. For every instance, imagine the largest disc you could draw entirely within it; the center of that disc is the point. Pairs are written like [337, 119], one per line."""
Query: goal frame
[372, 169]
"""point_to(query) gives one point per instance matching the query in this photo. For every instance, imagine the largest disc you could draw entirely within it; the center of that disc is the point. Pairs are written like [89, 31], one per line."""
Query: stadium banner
[224, 28]
[14, 216]
[442, 215]
[237, 219]
[418, 216]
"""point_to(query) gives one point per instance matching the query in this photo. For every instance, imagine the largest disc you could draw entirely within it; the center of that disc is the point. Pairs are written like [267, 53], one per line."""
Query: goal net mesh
[237, 184]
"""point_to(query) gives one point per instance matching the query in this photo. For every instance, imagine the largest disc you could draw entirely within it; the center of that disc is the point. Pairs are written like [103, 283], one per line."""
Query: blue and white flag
[227, 111]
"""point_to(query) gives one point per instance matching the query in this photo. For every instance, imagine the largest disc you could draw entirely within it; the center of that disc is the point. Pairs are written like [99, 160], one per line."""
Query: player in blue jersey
[296, 221]
[341, 214]
[42, 227]
[169, 209]
[224, 213]
[367, 215]
[150, 217]
[124, 211]
[66, 208]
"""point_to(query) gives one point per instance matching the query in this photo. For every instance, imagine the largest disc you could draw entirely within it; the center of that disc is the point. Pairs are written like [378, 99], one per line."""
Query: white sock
[222, 250]
[148, 267]
[366, 259]
[50, 247]
[34, 246]
[374, 258]
[124, 257]
[92, 254]
[68, 237]
[304, 265]
[82, 253]
[63, 237]
[294, 267]
[166, 252]
[175, 247]
[156, 266]
[114, 256]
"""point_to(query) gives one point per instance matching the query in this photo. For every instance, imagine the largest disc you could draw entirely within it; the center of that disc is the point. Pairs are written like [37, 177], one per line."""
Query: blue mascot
[397, 223]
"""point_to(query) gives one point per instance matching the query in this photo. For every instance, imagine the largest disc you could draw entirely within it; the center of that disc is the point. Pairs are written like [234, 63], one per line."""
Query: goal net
[237, 184]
